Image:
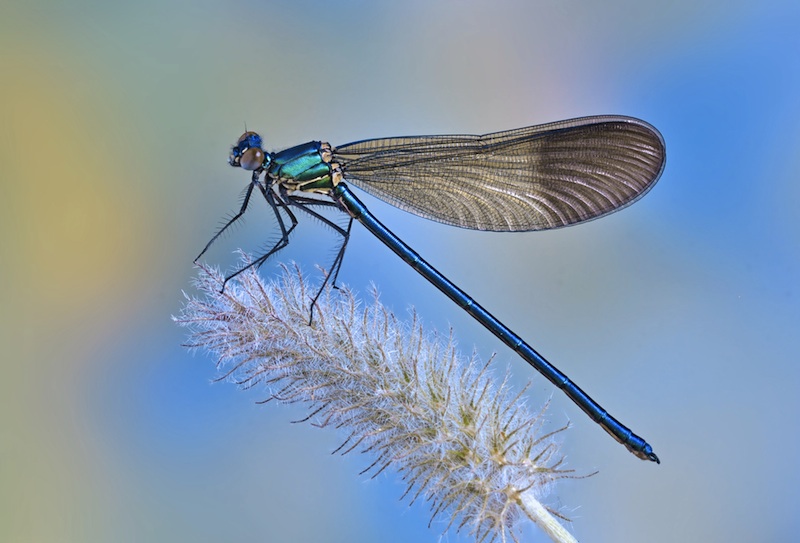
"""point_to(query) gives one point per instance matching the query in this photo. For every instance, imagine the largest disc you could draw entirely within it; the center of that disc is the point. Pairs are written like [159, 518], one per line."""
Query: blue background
[679, 314]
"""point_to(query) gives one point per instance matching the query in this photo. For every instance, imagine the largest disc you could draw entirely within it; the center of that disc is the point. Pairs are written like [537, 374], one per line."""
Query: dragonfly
[535, 178]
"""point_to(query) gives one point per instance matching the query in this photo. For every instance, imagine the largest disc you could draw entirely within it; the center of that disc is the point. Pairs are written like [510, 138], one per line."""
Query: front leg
[234, 219]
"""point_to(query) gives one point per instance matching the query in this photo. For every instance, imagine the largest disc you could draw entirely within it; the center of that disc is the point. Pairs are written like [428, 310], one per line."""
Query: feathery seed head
[406, 397]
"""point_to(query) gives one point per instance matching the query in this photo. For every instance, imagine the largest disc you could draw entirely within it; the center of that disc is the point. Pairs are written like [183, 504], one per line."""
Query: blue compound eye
[249, 139]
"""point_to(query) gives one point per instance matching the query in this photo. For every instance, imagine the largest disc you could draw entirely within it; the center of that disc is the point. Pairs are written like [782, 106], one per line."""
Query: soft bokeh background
[680, 314]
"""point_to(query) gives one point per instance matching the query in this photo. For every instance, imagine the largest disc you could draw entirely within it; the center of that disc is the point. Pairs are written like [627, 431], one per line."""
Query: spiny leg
[335, 267]
[275, 202]
[233, 220]
[304, 204]
[338, 265]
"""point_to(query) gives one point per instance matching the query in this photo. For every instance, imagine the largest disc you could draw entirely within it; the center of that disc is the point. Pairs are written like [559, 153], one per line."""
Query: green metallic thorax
[302, 168]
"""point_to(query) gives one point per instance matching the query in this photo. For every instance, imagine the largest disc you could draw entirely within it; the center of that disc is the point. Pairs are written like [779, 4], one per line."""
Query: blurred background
[680, 314]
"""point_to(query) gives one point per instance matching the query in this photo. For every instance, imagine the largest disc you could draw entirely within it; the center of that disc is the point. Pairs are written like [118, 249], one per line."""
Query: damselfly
[534, 178]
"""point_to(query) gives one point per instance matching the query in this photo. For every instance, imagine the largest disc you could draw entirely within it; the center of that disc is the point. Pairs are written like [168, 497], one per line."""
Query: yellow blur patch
[67, 208]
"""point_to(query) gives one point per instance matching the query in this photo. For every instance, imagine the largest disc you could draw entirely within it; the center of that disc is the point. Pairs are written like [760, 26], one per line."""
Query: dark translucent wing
[533, 178]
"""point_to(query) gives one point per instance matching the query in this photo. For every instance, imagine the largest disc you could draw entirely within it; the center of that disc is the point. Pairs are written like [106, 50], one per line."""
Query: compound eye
[245, 137]
[252, 159]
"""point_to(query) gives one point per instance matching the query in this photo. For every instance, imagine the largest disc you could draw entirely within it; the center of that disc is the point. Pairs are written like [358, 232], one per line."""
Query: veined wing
[534, 178]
